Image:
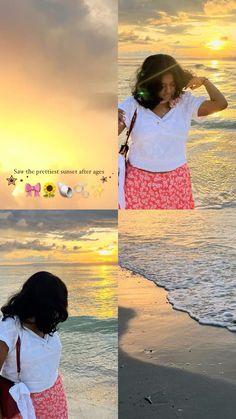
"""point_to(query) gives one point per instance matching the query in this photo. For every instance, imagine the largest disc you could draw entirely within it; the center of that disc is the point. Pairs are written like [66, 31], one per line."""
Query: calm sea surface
[89, 337]
[189, 253]
[211, 147]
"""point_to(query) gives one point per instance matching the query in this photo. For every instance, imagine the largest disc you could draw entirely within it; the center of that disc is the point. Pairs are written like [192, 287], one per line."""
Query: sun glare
[216, 44]
[105, 252]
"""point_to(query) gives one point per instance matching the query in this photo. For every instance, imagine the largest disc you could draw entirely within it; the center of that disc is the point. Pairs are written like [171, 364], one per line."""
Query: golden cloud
[219, 7]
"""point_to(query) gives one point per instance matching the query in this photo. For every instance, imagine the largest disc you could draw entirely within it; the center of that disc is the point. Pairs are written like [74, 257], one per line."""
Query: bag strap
[124, 147]
[18, 345]
[131, 125]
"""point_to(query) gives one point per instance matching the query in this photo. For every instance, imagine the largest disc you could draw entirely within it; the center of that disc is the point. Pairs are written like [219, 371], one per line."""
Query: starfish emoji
[11, 180]
[103, 179]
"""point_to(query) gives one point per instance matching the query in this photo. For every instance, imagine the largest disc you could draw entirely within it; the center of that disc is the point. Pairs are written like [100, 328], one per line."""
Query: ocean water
[211, 146]
[189, 253]
[89, 336]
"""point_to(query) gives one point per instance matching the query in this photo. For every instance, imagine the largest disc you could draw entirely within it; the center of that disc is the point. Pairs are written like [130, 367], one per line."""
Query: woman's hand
[173, 102]
[195, 82]
[121, 121]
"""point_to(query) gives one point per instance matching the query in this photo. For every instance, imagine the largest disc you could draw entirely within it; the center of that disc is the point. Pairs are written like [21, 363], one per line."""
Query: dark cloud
[135, 39]
[128, 37]
[78, 236]
[174, 29]
[138, 11]
[201, 17]
[79, 222]
[75, 248]
[141, 13]
[30, 245]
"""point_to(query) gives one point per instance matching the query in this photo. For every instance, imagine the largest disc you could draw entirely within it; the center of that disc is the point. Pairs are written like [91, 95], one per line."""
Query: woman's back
[40, 356]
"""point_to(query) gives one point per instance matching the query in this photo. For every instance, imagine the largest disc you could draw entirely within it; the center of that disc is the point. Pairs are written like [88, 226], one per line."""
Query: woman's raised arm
[217, 100]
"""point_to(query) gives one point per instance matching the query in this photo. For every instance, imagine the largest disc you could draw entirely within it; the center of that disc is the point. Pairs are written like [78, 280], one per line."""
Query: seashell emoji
[65, 190]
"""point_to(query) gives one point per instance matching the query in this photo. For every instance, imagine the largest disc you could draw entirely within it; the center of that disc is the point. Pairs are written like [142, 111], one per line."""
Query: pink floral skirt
[158, 190]
[50, 403]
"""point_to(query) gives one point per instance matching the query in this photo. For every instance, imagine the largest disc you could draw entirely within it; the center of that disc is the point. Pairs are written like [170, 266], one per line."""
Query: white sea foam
[191, 255]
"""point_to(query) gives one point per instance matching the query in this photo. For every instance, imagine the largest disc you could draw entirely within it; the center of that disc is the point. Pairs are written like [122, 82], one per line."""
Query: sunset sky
[58, 91]
[85, 237]
[185, 29]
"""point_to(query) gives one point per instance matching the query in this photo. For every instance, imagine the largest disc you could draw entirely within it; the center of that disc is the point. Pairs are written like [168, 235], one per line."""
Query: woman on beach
[157, 174]
[31, 317]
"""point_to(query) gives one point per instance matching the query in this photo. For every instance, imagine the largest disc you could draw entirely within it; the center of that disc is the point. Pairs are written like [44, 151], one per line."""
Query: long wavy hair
[43, 297]
[148, 82]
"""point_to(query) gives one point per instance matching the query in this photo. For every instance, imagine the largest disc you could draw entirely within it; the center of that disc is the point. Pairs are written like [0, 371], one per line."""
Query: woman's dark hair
[43, 297]
[148, 81]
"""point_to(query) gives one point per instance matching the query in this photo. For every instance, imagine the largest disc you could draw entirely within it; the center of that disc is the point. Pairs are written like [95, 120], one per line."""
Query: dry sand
[187, 370]
[82, 409]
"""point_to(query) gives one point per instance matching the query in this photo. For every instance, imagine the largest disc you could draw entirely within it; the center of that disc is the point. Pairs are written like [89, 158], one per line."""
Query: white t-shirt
[39, 357]
[158, 144]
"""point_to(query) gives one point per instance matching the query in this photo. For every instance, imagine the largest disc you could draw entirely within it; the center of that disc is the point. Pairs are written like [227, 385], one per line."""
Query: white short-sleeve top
[39, 356]
[159, 144]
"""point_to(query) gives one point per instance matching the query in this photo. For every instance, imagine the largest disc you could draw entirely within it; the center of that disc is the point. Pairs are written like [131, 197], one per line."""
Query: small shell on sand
[148, 398]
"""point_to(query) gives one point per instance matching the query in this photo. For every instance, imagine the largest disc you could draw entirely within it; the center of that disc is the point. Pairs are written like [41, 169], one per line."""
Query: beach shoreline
[169, 365]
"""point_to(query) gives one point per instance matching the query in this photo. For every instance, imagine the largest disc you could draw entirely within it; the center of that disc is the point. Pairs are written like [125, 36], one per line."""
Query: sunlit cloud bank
[58, 237]
[198, 29]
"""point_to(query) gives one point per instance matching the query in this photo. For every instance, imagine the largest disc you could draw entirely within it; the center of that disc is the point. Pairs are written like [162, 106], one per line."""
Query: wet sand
[170, 366]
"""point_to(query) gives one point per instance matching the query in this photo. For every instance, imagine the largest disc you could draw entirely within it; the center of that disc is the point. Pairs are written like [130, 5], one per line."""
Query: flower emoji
[49, 190]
